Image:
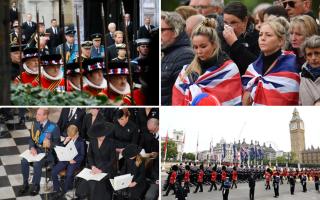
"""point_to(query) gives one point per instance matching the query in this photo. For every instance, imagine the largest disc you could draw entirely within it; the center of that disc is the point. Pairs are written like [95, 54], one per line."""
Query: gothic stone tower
[297, 135]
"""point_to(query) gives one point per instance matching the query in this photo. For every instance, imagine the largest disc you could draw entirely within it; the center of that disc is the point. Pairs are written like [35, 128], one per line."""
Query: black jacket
[174, 58]
[29, 30]
[125, 135]
[87, 123]
[15, 70]
[144, 33]
[13, 15]
[245, 50]
[112, 52]
[55, 40]
[64, 121]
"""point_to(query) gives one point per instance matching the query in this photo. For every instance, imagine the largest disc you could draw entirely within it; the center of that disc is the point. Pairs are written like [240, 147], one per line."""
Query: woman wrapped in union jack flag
[212, 78]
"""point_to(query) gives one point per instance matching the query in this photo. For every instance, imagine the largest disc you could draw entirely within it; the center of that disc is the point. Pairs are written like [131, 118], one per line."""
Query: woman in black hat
[134, 164]
[93, 116]
[101, 159]
[125, 132]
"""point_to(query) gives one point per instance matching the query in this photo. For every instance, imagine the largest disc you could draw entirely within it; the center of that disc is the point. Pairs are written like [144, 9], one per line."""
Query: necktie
[30, 24]
[98, 50]
[70, 114]
[41, 127]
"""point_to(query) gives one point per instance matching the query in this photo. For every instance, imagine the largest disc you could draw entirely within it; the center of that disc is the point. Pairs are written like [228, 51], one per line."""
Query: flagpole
[196, 157]
[165, 151]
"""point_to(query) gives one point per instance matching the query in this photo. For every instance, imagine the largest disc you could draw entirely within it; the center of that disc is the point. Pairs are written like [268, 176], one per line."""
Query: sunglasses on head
[290, 3]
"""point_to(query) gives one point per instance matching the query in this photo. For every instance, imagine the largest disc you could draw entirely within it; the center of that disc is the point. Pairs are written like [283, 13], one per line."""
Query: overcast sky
[264, 124]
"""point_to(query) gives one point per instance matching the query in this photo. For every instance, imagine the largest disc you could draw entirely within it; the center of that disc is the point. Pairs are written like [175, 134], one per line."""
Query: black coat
[15, 70]
[28, 31]
[129, 29]
[149, 143]
[13, 15]
[245, 50]
[55, 40]
[174, 58]
[139, 177]
[64, 121]
[144, 33]
[112, 52]
[87, 123]
[123, 136]
[110, 40]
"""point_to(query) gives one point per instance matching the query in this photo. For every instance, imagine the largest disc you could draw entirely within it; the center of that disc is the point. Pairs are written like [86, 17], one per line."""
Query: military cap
[96, 36]
[69, 31]
[86, 44]
[143, 41]
[53, 59]
[92, 65]
[118, 68]
[29, 53]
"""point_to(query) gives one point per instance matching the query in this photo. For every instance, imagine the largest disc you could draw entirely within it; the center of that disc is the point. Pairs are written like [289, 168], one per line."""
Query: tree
[188, 156]
[172, 150]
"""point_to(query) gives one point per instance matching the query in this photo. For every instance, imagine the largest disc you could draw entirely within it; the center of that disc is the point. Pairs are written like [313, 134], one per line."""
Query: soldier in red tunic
[94, 82]
[73, 77]
[213, 179]
[234, 177]
[223, 176]
[51, 74]
[172, 181]
[200, 180]
[119, 88]
[30, 65]
[268, 178]
[186, 179]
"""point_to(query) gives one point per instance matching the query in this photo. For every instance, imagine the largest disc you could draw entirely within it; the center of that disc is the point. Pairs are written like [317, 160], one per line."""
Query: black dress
[125, 135]
[104, 158]
[87, 123]
[138, 173]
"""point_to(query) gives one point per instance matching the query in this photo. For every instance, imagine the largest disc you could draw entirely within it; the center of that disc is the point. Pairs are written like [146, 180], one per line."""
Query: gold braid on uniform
[35, 136]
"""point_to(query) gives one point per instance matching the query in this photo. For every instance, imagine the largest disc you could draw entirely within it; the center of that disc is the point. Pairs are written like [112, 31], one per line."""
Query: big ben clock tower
[297, 135]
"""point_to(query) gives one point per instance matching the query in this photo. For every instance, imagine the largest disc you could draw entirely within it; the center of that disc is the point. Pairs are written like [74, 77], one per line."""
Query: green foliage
[188, 156]
[172, 151]
[28, 95]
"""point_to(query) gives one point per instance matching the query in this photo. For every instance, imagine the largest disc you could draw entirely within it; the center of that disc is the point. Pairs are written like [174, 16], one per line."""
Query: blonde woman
[273, 79]
[212, 78]
[301, 27]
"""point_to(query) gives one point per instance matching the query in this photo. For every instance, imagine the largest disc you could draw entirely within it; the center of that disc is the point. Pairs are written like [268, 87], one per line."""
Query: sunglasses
[291, 4]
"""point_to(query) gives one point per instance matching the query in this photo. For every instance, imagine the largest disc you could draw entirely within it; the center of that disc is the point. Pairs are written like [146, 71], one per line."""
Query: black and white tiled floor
[13, 141]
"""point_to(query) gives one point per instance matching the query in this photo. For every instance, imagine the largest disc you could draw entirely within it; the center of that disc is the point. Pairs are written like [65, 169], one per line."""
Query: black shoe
[35, 190]
[24, 189]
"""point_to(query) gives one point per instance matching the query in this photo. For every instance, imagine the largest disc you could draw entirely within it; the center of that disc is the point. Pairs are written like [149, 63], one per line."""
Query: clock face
[293, 126]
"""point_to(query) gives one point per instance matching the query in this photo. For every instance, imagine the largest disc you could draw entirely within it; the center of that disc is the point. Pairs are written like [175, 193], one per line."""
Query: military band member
[213, 179]
[200, 176]
[73, 77]
[14, 35]
[85, 52]
[33, 42]
[97, 50]
[15, 56]
[44, 136]
[70, 47]
[30, 65]
[93, 78]
[234, 177]
[51, 74]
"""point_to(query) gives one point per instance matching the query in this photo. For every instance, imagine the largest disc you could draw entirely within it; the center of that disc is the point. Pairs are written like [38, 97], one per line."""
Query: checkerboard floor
[13, 141]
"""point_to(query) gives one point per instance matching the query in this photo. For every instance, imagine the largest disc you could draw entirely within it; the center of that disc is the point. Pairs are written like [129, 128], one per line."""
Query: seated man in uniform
[93, 76]
[71, 49]
[73, 77]
[122, 53]
[51, 74]
[97, 50]
[45, 135]
[30, 65]
[85, 52]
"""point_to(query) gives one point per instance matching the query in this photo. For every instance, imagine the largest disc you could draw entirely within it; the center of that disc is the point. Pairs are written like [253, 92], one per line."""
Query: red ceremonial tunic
[139, 97]
[213, 176]
[173, 177]
[26, 78]
[267, 174]
[92, 91]
[200, 176]
[234, 175]
[223, 176]
[186, 177]
[50, 84]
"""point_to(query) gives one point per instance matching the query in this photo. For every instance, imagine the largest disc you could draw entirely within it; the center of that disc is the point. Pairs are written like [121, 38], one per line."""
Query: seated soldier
[93, 76]
[97, 50]
[85, 52]
[70, 166]
[118, 92]
[51, 74]
[30, 65]
[73, 77]
[44, 136]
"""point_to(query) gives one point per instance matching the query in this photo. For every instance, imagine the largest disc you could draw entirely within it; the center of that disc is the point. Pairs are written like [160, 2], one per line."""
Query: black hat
[53, 59]
[69, 31]
[96, 36]
[174, 168]
[118, 68]
[234, 168]
[131, 151]
[100, 129]
[93, 64]
[86, 44]
[72, 68]
[29, 53]
[224, 167]
[16, 47]
[143, 41]
[154, 113]
[187, 167]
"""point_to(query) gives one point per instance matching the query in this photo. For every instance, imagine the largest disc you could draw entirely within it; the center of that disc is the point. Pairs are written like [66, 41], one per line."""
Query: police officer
[44, 136]
[252, 184]
[30, 65]
[276, 181]
[225, 188]
[304, 181]
[71, 49]
[97, 50]
[292, 181]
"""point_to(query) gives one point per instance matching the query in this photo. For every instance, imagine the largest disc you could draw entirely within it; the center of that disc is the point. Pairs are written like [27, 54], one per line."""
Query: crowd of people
[100, 137]
[102, 69]
[181, 178]
[216, 54]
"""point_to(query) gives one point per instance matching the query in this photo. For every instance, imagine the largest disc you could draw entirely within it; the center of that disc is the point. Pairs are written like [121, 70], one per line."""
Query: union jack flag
[278, 86]
[223, 82]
